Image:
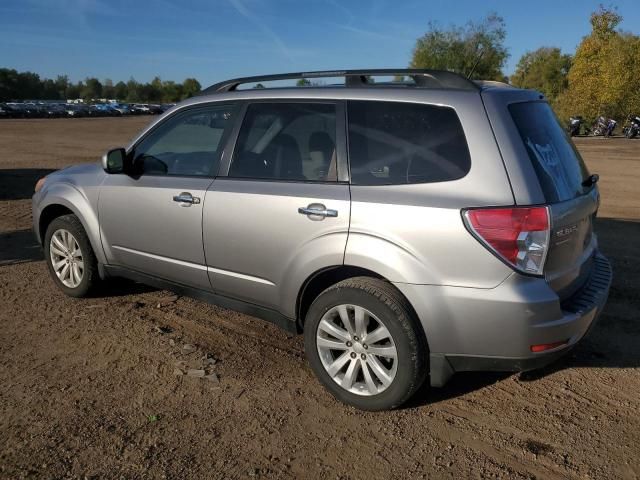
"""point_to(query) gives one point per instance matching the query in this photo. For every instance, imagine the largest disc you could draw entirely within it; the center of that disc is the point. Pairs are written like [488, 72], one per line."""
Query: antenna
[477, 62]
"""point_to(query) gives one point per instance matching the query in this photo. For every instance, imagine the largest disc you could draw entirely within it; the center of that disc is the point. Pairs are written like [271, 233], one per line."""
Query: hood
[82, 169]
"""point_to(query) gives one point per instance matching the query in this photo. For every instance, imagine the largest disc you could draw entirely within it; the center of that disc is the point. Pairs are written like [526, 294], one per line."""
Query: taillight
[518, 235]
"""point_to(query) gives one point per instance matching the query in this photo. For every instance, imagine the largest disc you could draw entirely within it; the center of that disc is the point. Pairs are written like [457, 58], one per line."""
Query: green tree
[120, 90]
[133, 90]
[29, 86]
[604, 73]
[303, 82]
[62, 83]
[108, 90]
[74, 90]
[155, 90]
[48, 90]
[190, 87]
[171, 92]
[545, 70]
[476, 46]
[92, 89]
[8, 84]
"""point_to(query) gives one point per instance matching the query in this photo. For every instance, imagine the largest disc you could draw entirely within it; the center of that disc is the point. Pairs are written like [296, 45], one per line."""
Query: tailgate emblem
[563, 232]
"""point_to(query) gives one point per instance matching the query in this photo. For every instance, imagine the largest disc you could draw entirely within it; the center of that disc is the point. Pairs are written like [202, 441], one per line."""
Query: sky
[212, 40]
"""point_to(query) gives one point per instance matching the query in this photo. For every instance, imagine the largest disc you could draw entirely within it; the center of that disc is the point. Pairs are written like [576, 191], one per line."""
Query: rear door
[563, 179]
[282, 212]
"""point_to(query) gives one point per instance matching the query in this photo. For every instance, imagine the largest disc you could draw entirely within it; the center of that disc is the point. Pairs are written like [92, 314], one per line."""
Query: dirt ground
[88, 388]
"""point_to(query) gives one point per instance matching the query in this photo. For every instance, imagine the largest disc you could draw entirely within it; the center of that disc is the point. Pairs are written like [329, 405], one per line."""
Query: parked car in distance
[140, 108]
[457, 236]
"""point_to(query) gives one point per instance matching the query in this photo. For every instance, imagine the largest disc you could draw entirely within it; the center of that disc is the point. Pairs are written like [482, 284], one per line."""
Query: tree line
[600, 78]
[16, 85]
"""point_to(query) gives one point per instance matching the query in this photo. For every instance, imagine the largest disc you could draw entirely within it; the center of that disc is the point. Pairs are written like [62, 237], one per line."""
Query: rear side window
[557, 163]
[287, 141]
[393, 143]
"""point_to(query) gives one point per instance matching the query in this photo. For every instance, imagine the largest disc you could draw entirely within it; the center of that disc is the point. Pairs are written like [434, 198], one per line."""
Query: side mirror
[114, 160]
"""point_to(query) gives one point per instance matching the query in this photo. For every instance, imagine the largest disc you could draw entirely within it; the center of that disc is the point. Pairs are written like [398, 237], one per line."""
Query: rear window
[556, 161]
[393, 143]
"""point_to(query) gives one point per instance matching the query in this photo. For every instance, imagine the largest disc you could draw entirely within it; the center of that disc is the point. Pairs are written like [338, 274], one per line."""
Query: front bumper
[493, 330]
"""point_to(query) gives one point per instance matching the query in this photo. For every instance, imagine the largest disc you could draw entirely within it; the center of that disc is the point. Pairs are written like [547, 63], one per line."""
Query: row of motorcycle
[603, 126]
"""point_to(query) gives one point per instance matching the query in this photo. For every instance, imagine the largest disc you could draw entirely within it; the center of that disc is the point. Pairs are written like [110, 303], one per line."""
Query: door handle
[186, 199]
[317, 209]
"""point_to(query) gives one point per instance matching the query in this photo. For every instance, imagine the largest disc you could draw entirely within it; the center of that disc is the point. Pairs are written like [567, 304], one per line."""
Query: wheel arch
[322, 279]
[48, 215]
[66, 200]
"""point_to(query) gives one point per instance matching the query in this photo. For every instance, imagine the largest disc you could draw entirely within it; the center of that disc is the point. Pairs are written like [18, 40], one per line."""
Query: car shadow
[18, 184]
[18, 247]
[121, 287]
[612, 342]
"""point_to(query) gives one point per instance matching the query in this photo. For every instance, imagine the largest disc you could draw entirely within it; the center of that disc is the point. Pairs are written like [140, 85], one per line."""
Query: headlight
[40, 184]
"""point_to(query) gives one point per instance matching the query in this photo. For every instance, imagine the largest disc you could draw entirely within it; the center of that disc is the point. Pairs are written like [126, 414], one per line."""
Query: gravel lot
[89, 388]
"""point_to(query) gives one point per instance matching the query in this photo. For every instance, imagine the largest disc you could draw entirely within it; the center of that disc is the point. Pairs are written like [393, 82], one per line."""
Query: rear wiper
[591, 180]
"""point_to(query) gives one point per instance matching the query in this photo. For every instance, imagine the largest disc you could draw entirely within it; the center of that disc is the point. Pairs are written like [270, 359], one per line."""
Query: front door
[281, 213]
[151, 219]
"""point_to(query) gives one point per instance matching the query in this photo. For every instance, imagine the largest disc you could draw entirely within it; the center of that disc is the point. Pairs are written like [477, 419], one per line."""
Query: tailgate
[572, 243]
[572, 199]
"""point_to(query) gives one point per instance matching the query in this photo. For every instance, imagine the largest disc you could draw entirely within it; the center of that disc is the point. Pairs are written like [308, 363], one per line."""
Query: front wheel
[69, 256]
[365, 345]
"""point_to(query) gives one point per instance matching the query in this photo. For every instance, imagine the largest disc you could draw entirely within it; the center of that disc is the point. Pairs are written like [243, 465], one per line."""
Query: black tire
[90, 276]
[389, 306]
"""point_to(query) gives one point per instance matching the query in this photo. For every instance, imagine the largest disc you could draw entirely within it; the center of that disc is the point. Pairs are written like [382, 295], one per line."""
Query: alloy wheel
[357, 350]
[66, 258]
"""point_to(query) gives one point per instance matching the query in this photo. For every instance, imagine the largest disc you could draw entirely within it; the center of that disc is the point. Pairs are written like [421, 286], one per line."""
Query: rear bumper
[493, 330]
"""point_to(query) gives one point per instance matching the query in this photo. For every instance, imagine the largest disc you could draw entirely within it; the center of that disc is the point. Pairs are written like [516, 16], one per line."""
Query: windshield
[556, 161]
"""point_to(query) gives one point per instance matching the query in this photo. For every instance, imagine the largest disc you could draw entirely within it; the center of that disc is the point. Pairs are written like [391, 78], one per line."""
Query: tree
[545, 70]
[604, 73]
[120, 90]
[460, 49]
[155, 90]
[108, 90]
[133, 90]
[303, 82]
[190, 87]
[171, 92]
[62, 83]
[92, 89]
[74, 90]
[48, 90]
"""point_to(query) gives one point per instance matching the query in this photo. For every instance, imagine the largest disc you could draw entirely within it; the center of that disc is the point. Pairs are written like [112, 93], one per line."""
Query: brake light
[518, 235]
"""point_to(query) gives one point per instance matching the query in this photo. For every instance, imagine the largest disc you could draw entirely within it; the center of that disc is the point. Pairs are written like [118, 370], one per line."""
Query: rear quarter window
[558, 165]
[393, 143]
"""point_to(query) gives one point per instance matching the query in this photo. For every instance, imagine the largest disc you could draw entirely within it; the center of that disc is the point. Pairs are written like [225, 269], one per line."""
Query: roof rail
[357, 78]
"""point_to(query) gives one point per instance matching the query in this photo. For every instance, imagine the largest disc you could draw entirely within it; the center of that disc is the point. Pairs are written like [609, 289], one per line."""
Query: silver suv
[410, 228]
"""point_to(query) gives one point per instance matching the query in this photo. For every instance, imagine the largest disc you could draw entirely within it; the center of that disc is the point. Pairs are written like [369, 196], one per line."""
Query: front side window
[393, 143]
[287, 141]
[189, 143]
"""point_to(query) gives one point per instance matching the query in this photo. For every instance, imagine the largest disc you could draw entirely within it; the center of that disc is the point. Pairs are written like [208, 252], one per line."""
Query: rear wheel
[364, 344]
[69, 256]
